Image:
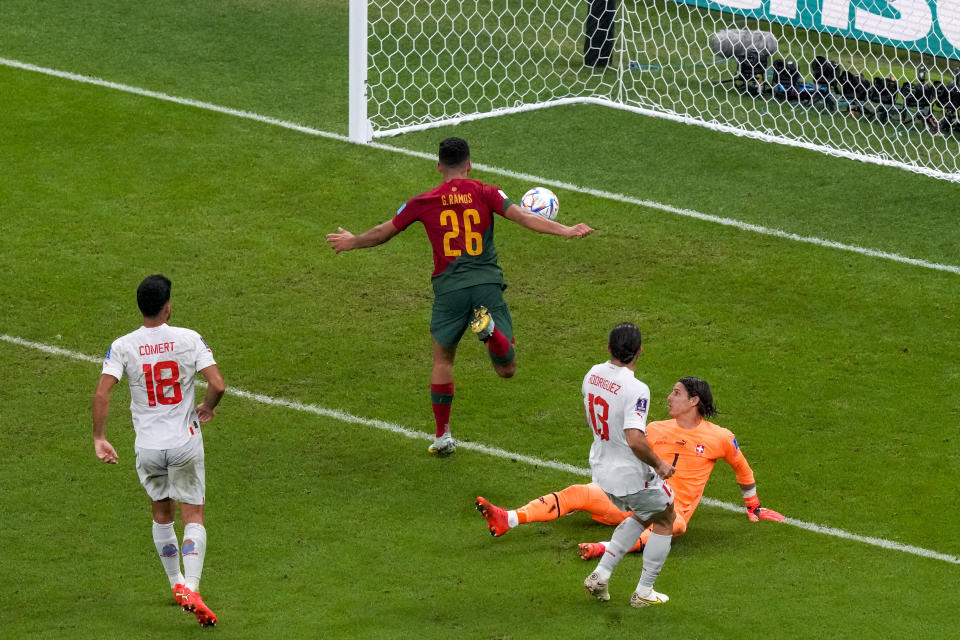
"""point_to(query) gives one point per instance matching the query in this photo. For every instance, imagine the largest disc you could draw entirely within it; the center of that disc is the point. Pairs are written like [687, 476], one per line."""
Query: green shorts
[452, 312]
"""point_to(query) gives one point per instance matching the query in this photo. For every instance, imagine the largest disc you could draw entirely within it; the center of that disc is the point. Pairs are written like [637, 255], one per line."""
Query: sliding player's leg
[577, 497]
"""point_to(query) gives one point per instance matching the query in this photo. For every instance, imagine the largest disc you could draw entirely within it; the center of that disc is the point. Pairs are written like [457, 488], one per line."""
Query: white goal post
[877, 85]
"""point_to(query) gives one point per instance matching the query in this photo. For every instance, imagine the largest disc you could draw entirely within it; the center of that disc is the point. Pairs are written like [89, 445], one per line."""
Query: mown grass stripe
[619, 197]
[497, 452]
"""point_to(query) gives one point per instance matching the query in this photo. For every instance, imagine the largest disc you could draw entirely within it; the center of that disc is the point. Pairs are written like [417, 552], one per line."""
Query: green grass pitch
[838, 371]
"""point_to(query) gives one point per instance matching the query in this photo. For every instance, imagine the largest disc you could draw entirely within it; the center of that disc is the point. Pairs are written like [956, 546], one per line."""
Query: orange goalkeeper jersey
[694, 452]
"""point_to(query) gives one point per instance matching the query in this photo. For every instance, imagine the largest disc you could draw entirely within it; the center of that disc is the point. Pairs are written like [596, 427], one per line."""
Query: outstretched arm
[748, 488]
[101, 407]
[530, 220]
[343, 240]
[756, 512]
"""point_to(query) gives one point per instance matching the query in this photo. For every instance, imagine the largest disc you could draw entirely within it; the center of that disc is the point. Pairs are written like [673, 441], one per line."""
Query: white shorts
[645, 503]
[174, 473]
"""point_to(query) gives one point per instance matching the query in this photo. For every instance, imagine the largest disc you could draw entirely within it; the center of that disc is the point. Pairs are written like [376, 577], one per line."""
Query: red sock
[441, 397]
[497, 343]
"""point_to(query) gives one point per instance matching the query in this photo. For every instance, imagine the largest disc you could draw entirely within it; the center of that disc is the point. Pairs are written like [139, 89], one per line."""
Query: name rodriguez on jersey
[603, 383]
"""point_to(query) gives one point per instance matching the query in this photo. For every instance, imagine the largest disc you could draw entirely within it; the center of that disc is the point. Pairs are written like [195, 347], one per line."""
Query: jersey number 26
[472, 240]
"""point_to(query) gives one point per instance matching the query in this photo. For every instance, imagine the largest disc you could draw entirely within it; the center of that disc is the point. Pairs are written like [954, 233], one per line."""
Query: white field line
[532, 179]
[497, 452]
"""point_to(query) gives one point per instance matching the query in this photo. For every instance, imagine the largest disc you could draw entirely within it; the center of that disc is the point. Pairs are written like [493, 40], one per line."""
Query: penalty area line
[607, 195]
[496, 452]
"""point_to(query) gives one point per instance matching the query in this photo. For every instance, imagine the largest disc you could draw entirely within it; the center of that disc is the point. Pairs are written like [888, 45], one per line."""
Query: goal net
[874, 80]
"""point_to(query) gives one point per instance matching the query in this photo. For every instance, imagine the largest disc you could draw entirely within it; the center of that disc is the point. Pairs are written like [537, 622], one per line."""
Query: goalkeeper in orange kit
[688, 441]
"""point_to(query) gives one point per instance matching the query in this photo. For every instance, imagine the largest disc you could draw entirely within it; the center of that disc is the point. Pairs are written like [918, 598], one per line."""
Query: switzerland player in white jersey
[160, 363]
[625, 467]
[688, 440]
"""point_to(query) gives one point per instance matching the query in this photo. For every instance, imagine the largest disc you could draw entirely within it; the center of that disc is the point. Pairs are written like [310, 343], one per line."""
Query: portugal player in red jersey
[468, 285]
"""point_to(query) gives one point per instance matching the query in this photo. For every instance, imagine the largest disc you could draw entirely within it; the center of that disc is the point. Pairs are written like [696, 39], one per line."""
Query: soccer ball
[541, 201]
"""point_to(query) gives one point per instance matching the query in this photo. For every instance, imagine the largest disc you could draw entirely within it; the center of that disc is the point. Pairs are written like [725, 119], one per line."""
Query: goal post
[358, 124]
[876, 85]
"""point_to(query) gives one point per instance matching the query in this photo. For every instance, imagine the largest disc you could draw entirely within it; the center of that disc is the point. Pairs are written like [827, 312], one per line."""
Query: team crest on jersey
[641, 406]
[402, 207]
[700, 449]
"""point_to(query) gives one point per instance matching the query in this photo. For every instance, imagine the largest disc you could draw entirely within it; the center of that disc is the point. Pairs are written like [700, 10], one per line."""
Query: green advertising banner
[928, 26]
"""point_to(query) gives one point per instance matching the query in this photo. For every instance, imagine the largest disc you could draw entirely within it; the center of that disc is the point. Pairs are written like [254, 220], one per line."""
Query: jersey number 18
[157, 382]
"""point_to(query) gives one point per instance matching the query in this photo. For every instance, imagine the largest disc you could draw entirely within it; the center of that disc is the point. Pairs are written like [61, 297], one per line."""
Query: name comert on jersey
[153, 349]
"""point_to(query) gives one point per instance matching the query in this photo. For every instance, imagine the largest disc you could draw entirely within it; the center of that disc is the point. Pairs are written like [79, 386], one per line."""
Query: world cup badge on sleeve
[641, 406]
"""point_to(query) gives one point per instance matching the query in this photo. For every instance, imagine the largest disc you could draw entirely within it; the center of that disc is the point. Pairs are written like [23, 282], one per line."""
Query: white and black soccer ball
[541, 201]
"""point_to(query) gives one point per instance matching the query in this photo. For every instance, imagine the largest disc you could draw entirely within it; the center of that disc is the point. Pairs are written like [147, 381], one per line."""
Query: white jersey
[615, 401]
[160, 363]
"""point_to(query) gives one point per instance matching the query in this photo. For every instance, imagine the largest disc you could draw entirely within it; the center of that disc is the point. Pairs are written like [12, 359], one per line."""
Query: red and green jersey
[458, 218]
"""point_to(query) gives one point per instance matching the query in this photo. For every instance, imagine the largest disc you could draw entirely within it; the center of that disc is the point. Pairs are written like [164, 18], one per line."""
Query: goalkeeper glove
[755, 512]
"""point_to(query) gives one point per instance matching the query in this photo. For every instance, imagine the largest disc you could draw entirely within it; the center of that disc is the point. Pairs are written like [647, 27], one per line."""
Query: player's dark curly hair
[152, 294]
[624, 342]
[697, 387]
[453, 152]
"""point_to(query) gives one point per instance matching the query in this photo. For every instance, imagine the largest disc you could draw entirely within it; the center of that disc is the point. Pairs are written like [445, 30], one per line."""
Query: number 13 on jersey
[599, 412]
